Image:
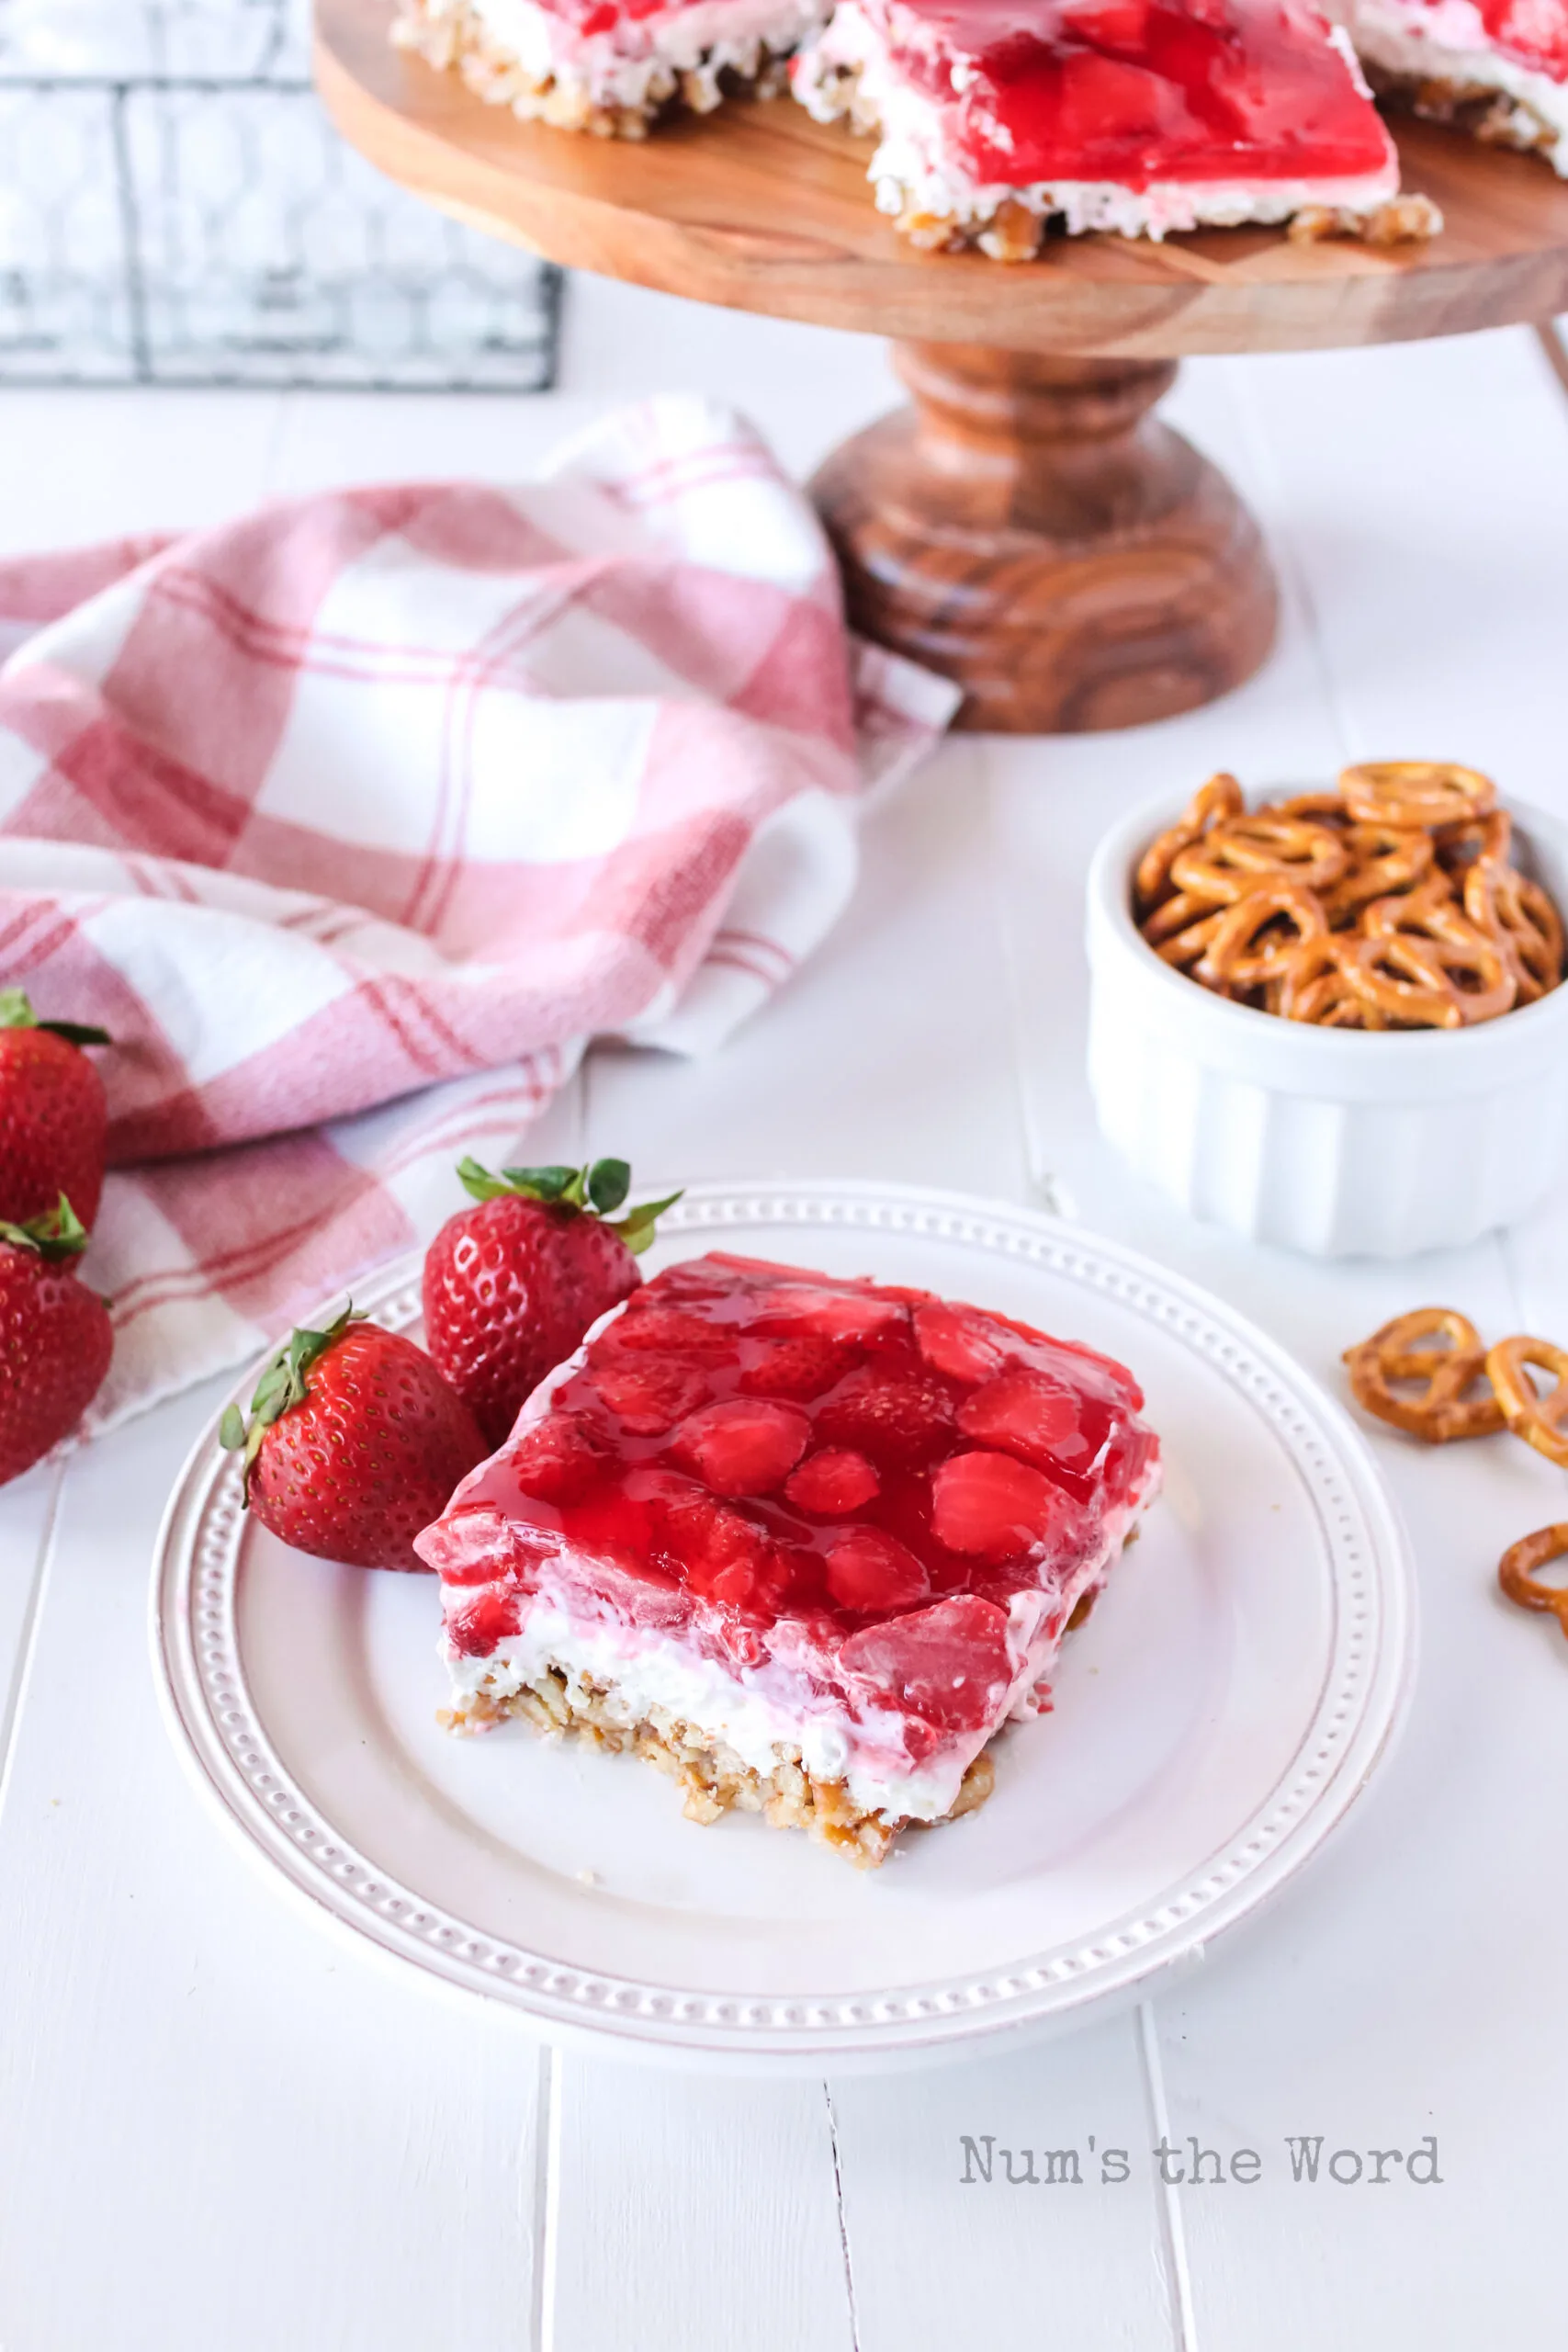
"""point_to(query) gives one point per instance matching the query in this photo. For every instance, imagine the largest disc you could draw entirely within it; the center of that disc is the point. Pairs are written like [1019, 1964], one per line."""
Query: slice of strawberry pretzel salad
[608, 67]
[997, 118]
[805, 1544]
[1498, 68]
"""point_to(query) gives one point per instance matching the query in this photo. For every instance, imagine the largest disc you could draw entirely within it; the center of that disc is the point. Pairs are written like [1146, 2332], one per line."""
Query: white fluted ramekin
[1337, 1142]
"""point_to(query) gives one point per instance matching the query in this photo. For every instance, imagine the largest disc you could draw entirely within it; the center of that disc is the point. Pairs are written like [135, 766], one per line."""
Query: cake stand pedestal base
[1030, 529]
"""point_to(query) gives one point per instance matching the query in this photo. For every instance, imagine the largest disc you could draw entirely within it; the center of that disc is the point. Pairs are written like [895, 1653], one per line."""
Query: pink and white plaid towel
[355, 820]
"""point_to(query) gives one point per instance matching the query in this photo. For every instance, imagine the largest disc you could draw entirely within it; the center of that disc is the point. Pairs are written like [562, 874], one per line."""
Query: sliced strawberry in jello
[664, 1331]
[747, 1446]
[476, 1543]
[641, 1594]
[650, 1393]
[848, 1315]
[727, 1557]
[749, 1469]
[949, 1664]
[1025, 1412]
[959, 1343]
[476, 1627]
[872, 1571]
[833, 1483]
[994, 1506]
[802, 1367]
[559, 1459]
[896, 1423]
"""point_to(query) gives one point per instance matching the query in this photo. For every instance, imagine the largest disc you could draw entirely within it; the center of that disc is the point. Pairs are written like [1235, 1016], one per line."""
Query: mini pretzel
[1315, 986]
[1219, 798]
[1410, 909]
[1517, 913]
[1186, 907]
[1442, 1411]
[1537, 1420]
[1384, 859]
[1415, 792]
[1252, 940]
[1244, 850]
[1402, 979]
[1515, 1571]
[1186, 949]
[1476, 961]
[1318, 808]
[1478, 842]
[1414, 916]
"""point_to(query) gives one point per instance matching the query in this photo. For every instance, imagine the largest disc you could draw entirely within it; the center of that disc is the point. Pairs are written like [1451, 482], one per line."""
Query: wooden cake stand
[1027, 525]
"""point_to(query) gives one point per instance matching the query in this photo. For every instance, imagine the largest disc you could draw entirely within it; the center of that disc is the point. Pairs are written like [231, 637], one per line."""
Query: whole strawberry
[55, 1341]
[511, 1286]
[52, 1113]
[355, 1443]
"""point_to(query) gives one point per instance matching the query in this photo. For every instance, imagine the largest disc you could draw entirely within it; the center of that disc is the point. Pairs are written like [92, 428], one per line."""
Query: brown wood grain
[757, 208]
[1030, 528]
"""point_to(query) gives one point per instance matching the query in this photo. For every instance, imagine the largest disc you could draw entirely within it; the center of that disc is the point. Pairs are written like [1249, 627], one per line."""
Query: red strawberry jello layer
[804, 1542]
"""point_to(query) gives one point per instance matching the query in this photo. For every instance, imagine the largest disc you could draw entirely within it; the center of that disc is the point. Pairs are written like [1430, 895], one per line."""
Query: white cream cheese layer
[915, 168]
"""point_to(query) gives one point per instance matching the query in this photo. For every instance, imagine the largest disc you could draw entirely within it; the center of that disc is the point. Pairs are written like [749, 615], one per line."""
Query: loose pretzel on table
[1442, 1411]
[1515, 1571]
[1537, 1420]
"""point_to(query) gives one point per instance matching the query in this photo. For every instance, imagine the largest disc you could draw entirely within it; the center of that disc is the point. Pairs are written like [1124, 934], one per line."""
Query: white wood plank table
[217, 2126]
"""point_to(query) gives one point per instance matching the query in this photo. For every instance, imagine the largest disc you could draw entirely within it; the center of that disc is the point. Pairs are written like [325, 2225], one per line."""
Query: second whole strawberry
[54, 1115]
[355, 1443]
[512, 1285]
[55, 1338]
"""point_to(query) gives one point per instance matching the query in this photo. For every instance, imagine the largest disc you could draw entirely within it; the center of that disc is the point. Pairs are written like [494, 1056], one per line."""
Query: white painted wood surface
[220, 2125]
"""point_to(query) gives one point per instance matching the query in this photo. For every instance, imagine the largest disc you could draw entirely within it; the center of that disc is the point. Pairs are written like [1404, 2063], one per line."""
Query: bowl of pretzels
[1333, 1019]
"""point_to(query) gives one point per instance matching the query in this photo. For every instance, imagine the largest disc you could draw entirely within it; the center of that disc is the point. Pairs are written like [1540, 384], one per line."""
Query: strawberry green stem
[596, 1190]
[57, 1235]
[282, 1384]
[16, 1012]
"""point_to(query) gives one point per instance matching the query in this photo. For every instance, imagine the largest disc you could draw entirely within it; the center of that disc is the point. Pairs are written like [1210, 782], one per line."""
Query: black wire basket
[177, 208]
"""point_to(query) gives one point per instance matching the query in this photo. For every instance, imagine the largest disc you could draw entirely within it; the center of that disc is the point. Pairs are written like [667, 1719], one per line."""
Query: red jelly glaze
[1137, 91]
[590, 18]
[851, 1458]
[1533, 31]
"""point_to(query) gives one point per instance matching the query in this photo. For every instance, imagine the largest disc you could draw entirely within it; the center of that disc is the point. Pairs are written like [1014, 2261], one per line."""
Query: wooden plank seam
[547, 2203]
[844, 2218]
[21, 1672]
[1179, 2282]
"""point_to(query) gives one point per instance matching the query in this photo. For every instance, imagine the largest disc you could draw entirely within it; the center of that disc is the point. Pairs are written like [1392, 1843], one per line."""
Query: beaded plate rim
[200, 1671]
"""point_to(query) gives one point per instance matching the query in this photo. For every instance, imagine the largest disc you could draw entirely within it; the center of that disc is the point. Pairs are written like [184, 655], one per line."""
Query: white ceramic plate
[1224, 1707]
